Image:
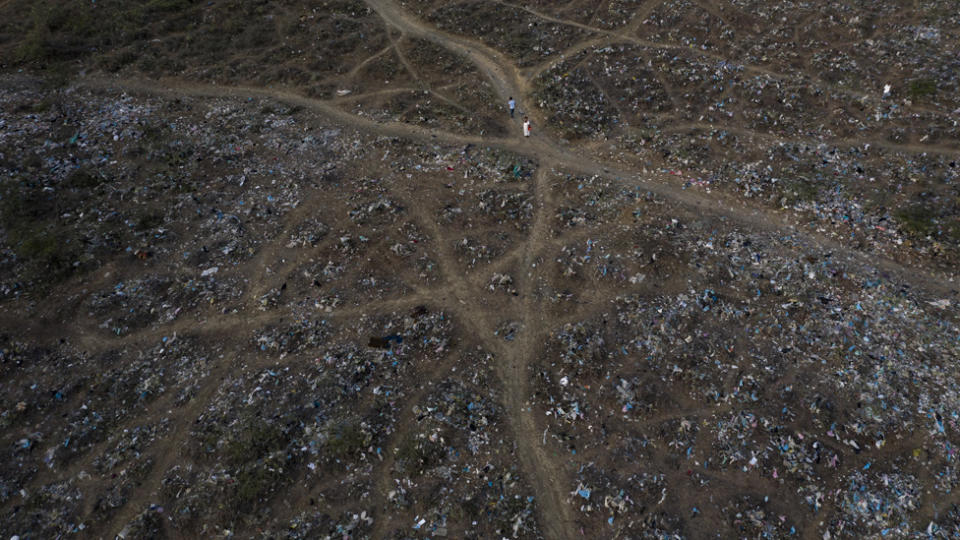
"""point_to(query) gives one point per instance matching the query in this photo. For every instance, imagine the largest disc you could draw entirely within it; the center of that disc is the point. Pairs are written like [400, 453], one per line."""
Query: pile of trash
[773, 364]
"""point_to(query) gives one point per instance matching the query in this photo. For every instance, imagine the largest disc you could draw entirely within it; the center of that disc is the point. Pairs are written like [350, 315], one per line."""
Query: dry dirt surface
[292, 270]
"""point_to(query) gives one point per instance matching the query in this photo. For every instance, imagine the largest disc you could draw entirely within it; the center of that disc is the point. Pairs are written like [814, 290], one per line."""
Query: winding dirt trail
[506, 78]
[465, 295]
[556, 518]
[624, 35]
[513, 359]
[541, 148]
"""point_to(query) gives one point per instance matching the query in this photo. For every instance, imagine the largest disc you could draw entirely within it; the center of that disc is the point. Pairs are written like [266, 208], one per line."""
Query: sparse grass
[255, 40]
[917, 220]
[799, 191]
[167, 6]
[83, 179]
[955, 233]
[254, 483]
[42, 248]
[61, 31]
[257, 441]
[346, 440]
[921, 88]
[415, 455]
[47, 250]
[150, 220]
[259, 455]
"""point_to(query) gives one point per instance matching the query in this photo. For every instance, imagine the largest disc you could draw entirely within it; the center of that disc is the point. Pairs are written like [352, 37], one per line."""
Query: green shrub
[59, 31]
[34, 45]
[921, 88]
[83, 179]
[798, 191]
[917, 220]
[42, 247]
[150, 221]
[346, 440]
[46, 250]
[47, 254]
[254, 483]
[167, 6]
[67, 30]
[255, 443]
[416, 455]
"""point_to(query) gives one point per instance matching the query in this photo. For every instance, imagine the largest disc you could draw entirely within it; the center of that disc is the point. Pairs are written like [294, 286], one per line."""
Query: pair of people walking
[512, 105]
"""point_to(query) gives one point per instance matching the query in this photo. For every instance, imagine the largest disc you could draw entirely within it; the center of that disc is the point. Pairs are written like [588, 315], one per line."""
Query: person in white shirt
[526, 127]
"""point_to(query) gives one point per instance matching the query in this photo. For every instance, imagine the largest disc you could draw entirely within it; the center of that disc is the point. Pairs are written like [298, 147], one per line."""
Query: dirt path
[467, 298]
[166, 455]
[714, 204]
[406, 422]
[505, 77]
[532, 73]
[556, 518]
[625, 35]
[465, 295]
[513, 359]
